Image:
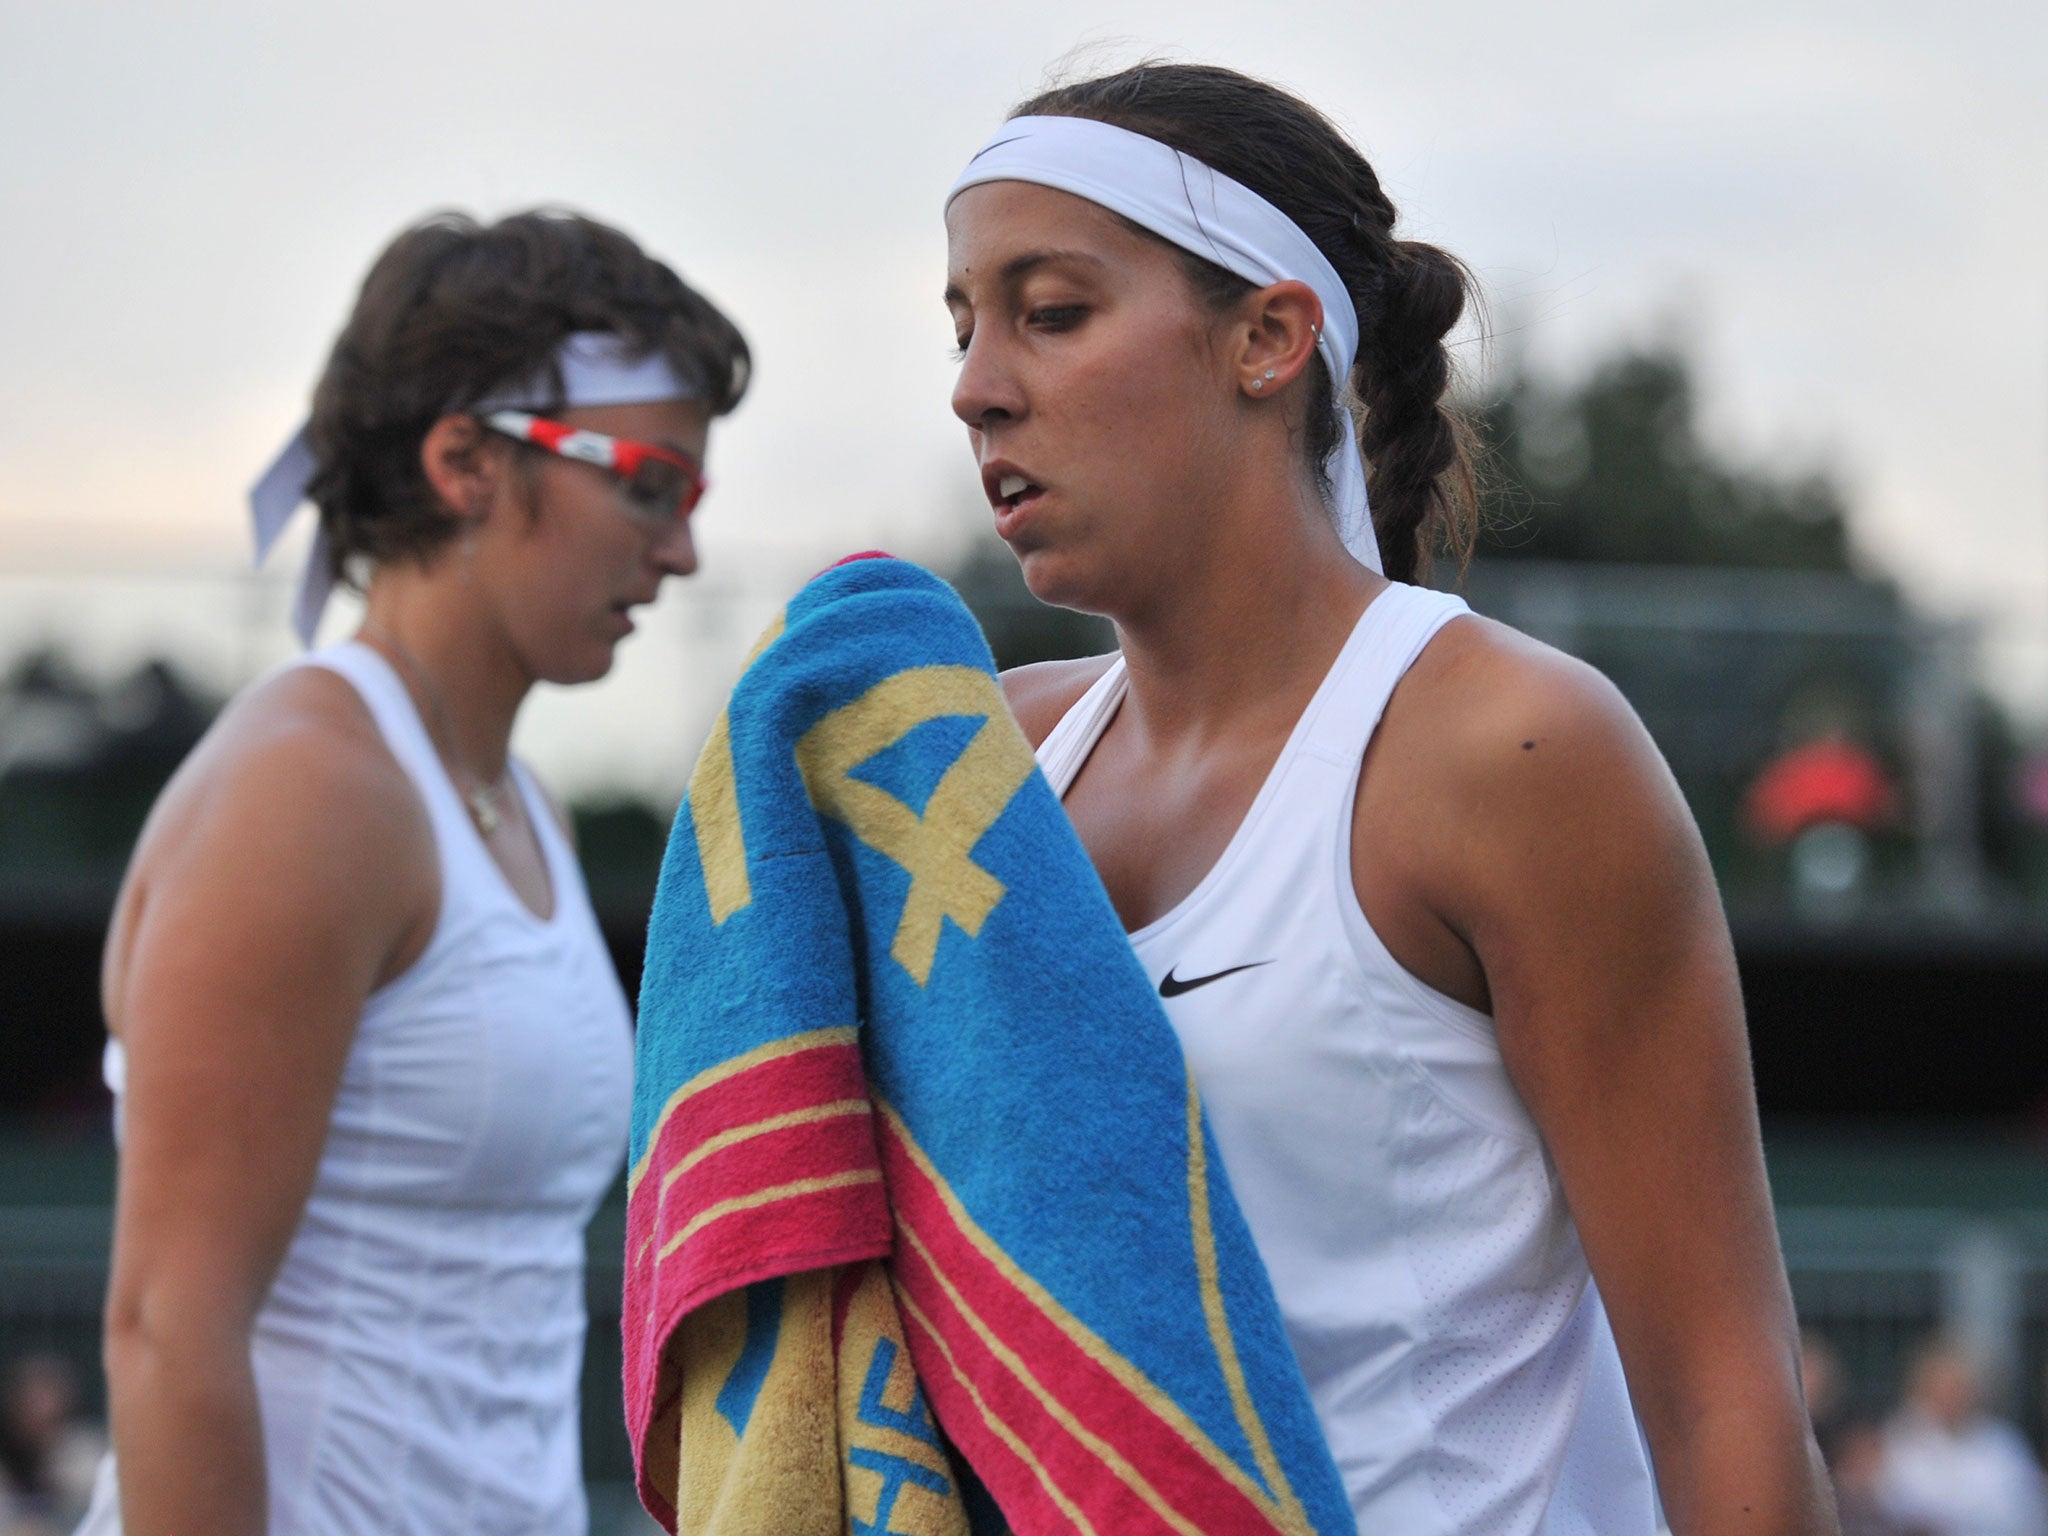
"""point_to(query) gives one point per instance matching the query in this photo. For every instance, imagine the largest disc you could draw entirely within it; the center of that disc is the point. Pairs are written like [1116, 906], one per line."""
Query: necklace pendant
[483, 812]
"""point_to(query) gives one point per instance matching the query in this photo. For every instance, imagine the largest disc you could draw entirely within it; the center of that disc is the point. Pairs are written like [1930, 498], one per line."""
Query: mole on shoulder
[1528, 746]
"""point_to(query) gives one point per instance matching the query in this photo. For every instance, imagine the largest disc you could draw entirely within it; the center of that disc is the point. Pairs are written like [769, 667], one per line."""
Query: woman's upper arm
[271, 894]
[1577, 877]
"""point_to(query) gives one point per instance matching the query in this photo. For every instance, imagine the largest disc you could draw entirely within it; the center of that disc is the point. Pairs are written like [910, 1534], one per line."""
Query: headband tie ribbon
[596, 369]
[1199, 209]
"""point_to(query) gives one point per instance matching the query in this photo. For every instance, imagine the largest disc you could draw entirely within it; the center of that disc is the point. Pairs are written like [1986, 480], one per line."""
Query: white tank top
[1426, 1266]
[419, 1358]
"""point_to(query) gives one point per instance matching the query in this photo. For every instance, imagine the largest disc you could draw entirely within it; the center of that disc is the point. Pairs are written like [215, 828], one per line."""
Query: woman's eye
[960, 348]
[1057, 317]
[655, 490]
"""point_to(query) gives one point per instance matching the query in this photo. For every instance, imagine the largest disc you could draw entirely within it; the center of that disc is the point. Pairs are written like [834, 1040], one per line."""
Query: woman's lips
[1012, 512]
[1012, 495]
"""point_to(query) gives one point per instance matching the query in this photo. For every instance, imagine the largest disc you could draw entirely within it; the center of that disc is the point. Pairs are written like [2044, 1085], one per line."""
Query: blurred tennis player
[1424, 905]
[370, 1058]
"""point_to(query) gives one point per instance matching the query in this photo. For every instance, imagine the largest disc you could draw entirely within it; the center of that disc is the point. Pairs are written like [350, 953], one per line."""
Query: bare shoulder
[1512, 801]
[301, 750]
[1486, 708]
[1040, 693]
[1500, 763]
[291, 794]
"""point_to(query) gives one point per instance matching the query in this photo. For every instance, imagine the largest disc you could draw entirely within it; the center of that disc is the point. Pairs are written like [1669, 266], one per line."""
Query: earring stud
[1258, 383]
[1269, 375]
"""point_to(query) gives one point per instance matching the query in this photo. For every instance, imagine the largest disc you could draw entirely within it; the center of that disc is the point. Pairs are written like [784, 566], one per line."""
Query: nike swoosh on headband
[1171, 985]
[998, 144]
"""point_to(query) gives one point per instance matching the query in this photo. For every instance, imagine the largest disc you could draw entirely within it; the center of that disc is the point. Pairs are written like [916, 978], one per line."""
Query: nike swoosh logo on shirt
[1171, 985]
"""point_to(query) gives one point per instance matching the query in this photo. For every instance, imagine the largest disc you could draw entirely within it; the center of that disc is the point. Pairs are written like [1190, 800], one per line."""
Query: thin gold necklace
[482, 796]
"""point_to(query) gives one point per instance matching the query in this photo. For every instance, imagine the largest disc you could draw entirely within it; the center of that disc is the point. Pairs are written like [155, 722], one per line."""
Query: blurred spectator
[1951, 1466]
[2030, 787]
[1854, 1446]
[1852, 1442]
[1821, 1378]
[1823, 799]
[1833, 779]
[47, 1450]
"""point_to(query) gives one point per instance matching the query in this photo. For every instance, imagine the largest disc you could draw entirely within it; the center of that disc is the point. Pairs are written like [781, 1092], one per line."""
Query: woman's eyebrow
[1018, 267]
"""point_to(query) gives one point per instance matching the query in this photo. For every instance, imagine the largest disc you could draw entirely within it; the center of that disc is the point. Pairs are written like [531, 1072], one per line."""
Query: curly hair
[452, 310]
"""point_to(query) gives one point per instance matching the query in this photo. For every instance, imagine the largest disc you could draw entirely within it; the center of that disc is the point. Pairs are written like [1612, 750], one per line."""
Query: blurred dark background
[1879, 827]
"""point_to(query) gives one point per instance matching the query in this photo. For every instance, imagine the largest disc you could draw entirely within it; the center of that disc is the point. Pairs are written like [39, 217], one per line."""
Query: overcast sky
[1843, 208]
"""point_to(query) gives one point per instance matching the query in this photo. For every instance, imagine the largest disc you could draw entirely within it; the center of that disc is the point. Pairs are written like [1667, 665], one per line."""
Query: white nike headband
[596, 369]
[1199, 209]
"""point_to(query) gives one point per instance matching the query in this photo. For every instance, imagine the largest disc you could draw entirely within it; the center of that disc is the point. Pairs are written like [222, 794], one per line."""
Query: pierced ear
[1285, 323]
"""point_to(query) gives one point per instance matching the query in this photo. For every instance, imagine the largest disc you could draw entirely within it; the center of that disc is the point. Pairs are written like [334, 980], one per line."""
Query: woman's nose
[986, 389]
[675, 552]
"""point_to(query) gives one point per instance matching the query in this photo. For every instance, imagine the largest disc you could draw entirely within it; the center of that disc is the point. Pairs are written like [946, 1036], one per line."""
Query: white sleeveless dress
[419, 1358]
[1425, 1263]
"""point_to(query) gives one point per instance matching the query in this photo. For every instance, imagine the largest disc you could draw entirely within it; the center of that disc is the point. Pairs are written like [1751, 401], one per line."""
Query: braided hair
[1419, 462]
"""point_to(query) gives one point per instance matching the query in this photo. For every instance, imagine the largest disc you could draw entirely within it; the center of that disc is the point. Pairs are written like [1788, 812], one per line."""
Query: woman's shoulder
[1491, 729]
[293, 782]
[1507, 782]
[289, 816]
[1040, 693]
[1481, 690]
[301, 735]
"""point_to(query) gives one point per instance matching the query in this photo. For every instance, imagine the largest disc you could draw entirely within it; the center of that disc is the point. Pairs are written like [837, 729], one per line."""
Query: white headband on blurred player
[596, 369]
[1199, 209]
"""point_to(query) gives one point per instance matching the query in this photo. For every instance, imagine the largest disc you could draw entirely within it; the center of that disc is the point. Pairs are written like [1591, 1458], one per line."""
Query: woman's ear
[462, 474]
[1282, 324]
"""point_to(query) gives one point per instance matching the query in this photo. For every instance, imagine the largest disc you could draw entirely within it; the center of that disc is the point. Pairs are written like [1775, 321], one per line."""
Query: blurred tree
[1613, 468]
[1610, 468]
[81, 762]
[619, 842]
[1019, 627]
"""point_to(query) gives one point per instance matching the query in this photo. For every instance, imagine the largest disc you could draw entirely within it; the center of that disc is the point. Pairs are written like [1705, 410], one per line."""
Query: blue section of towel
[1034, 1065]
[736, 1398]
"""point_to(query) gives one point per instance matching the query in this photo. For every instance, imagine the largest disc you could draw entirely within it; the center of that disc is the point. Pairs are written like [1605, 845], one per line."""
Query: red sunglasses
[657, 484]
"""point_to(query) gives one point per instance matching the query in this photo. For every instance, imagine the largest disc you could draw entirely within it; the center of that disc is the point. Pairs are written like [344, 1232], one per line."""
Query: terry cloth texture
[888, 1014]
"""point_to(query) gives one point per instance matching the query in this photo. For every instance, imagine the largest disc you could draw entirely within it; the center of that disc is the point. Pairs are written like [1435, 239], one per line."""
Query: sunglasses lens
[661, 490]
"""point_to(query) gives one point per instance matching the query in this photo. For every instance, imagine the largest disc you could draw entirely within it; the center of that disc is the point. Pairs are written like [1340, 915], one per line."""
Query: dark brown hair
[454, 309]
[1408, 294]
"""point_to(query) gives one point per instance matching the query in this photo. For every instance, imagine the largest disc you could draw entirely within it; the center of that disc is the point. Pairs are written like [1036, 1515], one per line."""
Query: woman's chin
[586, 663]
[1053, 578]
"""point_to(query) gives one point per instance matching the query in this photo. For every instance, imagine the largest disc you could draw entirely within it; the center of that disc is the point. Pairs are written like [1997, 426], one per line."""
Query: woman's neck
[451, 650]
[1244, 628]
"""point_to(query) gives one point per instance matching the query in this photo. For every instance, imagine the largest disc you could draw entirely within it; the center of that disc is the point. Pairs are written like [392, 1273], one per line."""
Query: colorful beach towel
[922, 1198]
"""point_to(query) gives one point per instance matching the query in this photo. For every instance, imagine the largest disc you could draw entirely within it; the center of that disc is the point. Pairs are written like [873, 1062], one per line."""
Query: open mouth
[1013, 491]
